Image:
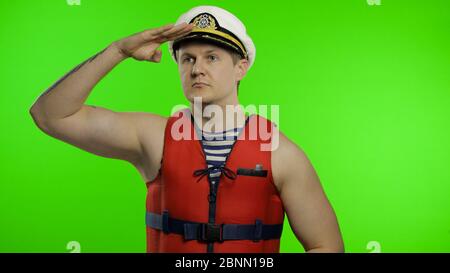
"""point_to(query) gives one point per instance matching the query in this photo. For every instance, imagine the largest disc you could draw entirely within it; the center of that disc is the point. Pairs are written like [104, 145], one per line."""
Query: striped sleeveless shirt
[217, 146]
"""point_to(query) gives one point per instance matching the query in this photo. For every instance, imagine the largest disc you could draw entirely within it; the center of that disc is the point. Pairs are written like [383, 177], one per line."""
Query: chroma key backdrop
[363, 87]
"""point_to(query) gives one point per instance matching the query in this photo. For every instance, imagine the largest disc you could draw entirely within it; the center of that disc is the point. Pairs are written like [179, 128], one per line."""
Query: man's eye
[187, 59]
[212, 57]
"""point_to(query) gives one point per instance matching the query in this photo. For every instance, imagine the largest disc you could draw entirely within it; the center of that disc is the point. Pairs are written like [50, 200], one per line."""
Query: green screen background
[363, 90]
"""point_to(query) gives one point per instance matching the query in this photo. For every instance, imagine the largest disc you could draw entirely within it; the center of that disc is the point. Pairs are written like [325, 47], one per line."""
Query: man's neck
[217, 118]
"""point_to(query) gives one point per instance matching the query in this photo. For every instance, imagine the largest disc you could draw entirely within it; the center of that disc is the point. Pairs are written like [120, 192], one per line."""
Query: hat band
[224, 35]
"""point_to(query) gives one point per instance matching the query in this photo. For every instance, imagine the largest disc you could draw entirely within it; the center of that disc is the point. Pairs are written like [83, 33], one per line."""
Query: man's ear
[242, 67]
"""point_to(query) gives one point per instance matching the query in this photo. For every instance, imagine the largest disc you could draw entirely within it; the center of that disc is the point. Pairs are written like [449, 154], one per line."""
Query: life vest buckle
[211, 232]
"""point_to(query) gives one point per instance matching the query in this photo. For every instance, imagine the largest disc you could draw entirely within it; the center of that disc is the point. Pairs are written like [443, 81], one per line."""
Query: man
[205, 194]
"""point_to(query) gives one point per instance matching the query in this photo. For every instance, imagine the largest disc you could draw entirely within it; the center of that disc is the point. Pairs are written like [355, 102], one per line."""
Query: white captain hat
[219, 27]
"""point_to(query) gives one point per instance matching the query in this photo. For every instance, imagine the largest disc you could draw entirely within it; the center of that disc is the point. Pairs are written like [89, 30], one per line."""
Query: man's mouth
[199, 85]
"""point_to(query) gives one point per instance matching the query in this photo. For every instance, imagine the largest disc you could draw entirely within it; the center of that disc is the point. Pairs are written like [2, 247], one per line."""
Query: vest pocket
[252, 172]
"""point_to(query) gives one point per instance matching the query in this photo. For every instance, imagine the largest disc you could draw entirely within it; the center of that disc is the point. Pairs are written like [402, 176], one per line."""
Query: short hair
[235, 56]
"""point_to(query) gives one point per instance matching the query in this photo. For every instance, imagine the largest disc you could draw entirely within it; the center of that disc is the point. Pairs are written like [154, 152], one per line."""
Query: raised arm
[60, 111]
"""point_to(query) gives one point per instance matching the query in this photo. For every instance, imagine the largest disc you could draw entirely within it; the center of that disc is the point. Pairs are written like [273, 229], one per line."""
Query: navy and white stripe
[217, 147]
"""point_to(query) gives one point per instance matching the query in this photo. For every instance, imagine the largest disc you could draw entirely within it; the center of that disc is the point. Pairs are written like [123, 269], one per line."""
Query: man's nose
[198, 68]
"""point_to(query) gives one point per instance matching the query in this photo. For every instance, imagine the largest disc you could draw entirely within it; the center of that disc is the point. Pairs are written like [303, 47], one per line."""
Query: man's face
[210, 65]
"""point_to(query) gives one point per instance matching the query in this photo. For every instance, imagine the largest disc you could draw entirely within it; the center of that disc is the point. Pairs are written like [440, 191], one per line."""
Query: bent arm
[69, 93]
[61, 113]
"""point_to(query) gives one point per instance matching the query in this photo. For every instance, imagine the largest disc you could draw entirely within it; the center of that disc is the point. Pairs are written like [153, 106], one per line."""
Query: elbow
[336, 249]
[331, 247]
[34, 111]
[38, 118]
[326, 250]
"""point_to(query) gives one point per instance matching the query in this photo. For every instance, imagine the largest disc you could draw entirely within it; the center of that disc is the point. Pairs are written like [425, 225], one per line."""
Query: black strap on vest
[227, 172]
[206, 232]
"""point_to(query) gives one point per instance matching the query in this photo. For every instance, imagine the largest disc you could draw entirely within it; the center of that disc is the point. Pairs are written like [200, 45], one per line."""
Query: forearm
[68, 94]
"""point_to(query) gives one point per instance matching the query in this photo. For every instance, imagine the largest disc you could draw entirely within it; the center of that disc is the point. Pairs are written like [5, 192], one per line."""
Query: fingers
[156, 57]
[184, 31]
[158, 35]
[159, 30]
[177, 29]
[140, 38]
[172, 34]
[150, 34]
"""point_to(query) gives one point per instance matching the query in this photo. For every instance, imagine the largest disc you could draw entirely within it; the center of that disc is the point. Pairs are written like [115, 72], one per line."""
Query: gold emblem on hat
[205, 21]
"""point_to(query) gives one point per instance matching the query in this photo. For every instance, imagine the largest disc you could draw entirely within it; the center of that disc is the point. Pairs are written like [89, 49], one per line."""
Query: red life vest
[182, 207]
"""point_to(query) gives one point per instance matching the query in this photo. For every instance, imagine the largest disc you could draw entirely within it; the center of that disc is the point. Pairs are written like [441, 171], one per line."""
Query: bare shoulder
[288, 160]
[149, 125]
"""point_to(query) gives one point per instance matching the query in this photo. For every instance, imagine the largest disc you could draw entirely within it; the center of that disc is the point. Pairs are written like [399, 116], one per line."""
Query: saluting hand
[143, 45]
